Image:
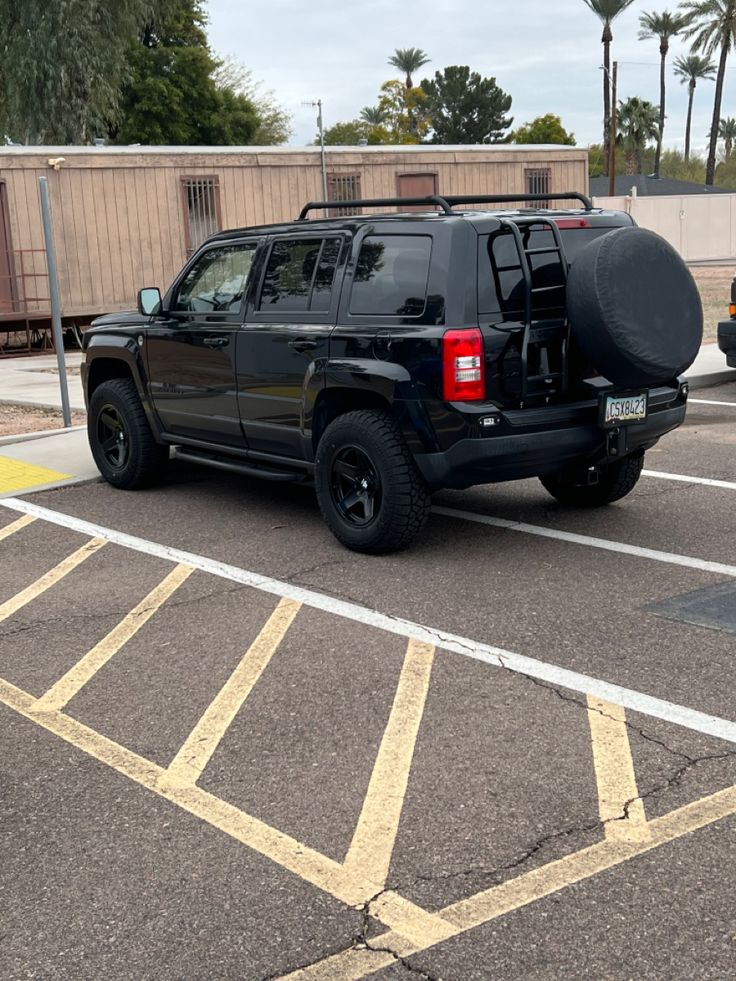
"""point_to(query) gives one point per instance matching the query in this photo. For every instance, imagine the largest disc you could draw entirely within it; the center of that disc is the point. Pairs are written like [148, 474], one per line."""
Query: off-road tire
[404, 499]
[616, 480]
[146, 460]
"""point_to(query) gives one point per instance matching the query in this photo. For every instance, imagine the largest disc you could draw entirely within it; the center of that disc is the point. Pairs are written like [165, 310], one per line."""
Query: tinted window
[391, 275]
[216, 282]
[300, 274]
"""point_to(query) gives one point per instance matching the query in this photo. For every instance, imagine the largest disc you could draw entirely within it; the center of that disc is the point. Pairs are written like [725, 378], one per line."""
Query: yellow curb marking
[373, 841]
[14, 526]
[620, 807]
[77, 677]
[49, 579]
[194, 755]
[17, 475]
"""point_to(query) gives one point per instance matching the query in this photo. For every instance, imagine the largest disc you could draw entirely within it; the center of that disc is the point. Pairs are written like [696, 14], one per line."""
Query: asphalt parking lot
[232, 749]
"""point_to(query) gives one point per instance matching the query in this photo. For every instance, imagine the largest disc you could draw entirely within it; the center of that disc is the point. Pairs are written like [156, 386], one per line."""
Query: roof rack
[446, 202]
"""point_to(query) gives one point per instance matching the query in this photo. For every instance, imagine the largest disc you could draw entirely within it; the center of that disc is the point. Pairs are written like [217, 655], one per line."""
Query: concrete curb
[41, 434]
[711, 378]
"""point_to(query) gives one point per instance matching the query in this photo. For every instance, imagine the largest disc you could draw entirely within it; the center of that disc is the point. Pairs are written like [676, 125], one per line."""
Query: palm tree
[607, 11]
[690, 68]
[638, 123]
[727, 133]
[663, 26]
[408, 61]
[373, 115]
[713, 27]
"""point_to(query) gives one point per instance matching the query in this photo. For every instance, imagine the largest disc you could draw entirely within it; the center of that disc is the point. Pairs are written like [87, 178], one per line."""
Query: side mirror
[149, 301]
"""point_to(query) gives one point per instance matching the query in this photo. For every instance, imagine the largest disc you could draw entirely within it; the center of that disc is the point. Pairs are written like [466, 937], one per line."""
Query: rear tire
[122, 444]
[371, 495]
[615, 481]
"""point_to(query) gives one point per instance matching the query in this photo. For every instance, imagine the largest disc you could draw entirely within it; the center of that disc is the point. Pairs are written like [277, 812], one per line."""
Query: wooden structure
[126, 217]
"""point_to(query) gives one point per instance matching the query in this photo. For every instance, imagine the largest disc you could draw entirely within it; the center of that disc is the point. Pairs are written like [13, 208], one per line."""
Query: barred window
[539, 181]
[344, 187]
[201, 199]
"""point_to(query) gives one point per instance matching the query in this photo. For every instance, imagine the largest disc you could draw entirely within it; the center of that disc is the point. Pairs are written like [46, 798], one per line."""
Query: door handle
[302, 345]
[215, 341]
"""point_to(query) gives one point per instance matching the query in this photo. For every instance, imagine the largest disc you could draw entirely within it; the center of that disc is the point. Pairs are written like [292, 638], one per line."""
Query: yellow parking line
[16, 475]
[14, 526]
[620, 807]
[194, 755]
[77, 677]
[373, 842]
[50, 578]
[349, 965]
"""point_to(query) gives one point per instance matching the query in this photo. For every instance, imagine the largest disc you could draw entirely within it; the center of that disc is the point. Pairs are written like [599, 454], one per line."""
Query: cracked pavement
[100, 877]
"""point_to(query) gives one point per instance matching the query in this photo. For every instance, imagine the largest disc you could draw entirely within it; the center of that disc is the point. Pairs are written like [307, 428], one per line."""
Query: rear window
[391, 276]
[299, 275]
[501, 285]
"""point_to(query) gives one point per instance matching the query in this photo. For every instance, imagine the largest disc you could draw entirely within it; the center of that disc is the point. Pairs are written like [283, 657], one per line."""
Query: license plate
[622, 410]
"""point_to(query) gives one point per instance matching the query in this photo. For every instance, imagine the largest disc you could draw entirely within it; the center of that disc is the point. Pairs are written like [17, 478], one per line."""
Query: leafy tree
[373, 115]
[712, 27]
[607, 11]
[638, 124]
[409, 61]
[466, 108]
[405, 112]
[351, 133]
[690, 69]
[274, 123]
[727, 133]
[543, 129]
[173, 97]
[62, 65]
[664, 27]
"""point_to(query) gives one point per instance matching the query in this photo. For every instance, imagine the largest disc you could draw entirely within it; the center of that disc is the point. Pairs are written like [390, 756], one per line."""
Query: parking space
[234, 748]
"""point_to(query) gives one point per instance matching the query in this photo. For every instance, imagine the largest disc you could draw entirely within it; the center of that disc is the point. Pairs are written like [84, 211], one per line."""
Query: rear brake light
[732, 311]
[463, 366]
[572, 222]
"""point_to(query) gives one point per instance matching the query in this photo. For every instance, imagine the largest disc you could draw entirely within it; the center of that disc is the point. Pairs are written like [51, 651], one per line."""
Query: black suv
[385, 356]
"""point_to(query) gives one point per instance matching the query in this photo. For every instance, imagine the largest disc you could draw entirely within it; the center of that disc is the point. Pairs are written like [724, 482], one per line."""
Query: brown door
[7, 286]
[416, 186]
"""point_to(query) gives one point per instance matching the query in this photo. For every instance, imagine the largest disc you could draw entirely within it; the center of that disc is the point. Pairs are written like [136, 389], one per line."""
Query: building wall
[118, 215]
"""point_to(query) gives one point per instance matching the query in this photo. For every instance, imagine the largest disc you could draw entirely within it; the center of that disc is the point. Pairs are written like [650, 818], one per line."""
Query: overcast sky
[545, 53]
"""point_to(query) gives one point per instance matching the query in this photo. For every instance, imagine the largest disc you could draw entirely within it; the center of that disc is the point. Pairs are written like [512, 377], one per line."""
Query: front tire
[615, 480]
[122, 444]
[371, 495]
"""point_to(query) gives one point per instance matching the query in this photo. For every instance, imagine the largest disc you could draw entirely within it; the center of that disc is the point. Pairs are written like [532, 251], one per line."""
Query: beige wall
[702, 227]
[118, 215]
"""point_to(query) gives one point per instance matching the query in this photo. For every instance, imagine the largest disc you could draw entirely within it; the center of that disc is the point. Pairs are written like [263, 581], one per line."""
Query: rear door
[282, 348]
[191, 350]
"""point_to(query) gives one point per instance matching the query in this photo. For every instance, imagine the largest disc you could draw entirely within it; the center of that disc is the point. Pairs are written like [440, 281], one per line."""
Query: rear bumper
[517, 450]
[727, 341]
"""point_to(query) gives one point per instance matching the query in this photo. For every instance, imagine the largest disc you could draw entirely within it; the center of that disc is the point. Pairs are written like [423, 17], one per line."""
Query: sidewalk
[37, 461]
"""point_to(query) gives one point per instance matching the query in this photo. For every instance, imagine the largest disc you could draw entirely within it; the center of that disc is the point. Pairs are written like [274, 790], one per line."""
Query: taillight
[732, 311]
[463, 366]
[572, 222]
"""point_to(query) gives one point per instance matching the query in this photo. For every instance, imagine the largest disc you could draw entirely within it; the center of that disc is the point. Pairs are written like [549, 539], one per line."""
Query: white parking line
[554, 675]
[712, 402]
[685, 479]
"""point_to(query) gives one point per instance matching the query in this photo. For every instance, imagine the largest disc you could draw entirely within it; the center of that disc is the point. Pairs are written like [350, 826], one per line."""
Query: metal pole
[322, 151]
[48, 235]
[612, 135]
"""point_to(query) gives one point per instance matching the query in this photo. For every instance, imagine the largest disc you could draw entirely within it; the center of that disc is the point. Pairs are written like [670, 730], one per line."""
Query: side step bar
[236, 466]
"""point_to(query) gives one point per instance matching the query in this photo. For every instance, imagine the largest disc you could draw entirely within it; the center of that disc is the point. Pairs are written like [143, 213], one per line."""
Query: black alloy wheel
[114, 440]
[355, 486]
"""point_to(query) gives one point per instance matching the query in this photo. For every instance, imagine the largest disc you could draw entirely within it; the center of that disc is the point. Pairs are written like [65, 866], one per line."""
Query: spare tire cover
[634, 308]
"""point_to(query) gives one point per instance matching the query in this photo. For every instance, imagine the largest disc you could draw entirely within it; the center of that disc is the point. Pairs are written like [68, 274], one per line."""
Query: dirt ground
[714, 283]
[16, 419]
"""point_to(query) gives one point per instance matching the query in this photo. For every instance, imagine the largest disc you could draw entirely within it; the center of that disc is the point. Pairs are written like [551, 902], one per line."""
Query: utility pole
[317, 103]
[48, 234]
[612, 134]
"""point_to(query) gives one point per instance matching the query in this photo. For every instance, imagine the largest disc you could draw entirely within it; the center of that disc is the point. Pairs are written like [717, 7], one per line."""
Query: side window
[391, 276]
[299, 275]
[216, 283]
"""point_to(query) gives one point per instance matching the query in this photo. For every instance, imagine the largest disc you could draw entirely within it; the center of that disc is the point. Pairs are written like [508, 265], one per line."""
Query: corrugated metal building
[125, 217]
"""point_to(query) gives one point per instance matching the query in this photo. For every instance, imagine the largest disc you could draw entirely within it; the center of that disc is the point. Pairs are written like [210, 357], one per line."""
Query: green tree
[409, 61]
[373, 115]
[690, 69]
[405, 112]
[352, 132]
[727, 133]
[173, 97]
[62, 65]
[664, 27]
[607, 11]
[638, 123]
[712, 28]
[543, 129]
[274, 123]
[466, 108]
